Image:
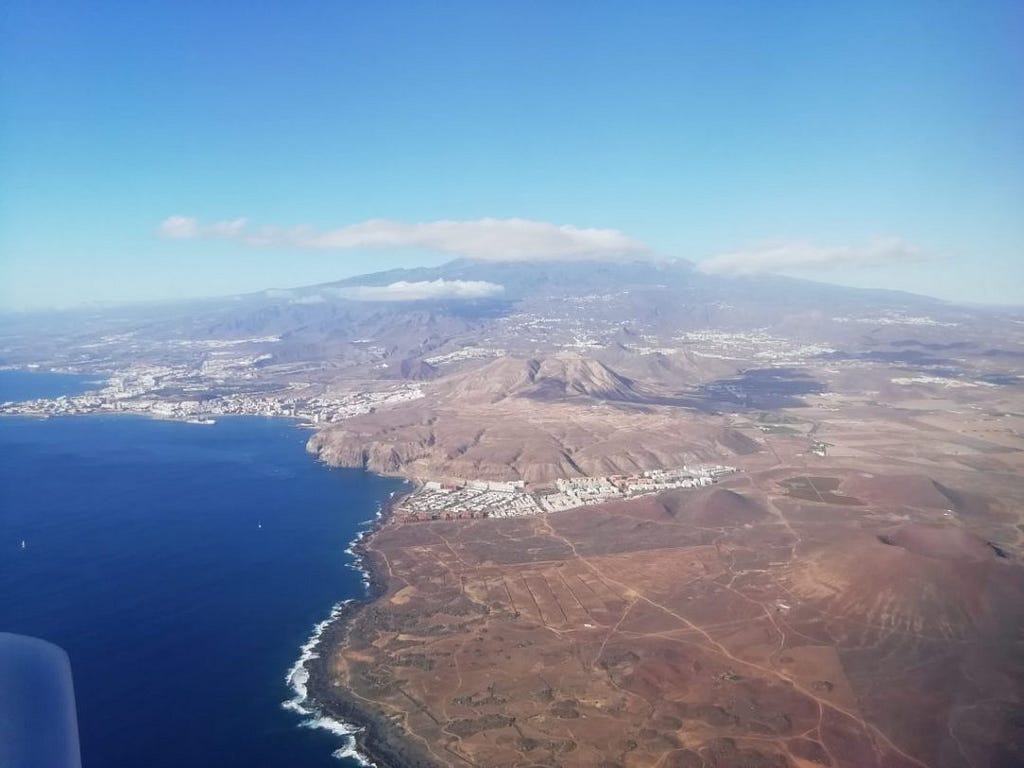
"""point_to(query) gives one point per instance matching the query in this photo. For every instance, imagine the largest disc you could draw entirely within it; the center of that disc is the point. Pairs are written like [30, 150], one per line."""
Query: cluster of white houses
[436, 500]
[475, 498]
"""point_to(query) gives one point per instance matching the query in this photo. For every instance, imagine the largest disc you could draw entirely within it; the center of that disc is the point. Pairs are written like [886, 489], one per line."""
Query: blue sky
[877, 144]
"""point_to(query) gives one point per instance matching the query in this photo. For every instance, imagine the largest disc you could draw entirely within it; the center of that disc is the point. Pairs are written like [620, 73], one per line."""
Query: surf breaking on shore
[297, 677]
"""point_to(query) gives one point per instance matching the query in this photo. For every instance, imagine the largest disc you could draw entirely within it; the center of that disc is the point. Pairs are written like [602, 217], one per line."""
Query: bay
[181, 567]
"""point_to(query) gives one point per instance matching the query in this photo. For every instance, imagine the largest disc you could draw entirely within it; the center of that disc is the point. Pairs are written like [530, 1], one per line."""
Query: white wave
[336, 727]
[350, 751]
[298, 680]
[298, 676]
[357, 559]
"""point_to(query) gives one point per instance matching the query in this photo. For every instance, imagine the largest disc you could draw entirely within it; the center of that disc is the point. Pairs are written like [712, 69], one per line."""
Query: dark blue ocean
[181, 567]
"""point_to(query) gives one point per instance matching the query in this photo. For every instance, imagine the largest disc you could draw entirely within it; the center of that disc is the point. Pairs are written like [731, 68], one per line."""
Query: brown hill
[556, 377]
[712, 507]
[912, 491]
[671, 372]
[932, 581]
[947, 542]
[416, 370]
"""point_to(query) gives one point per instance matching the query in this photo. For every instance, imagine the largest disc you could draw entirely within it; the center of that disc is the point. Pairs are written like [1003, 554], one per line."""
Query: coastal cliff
[382, 459]
[537, 443]
[534, 420]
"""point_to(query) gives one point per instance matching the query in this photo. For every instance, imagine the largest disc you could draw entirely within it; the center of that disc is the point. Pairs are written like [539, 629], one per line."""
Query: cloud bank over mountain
[487, 239]
[404, 290]
[526, 240]
[782, 257]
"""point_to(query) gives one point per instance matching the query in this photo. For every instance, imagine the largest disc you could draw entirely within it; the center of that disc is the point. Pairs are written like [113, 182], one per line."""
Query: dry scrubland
[862, 608]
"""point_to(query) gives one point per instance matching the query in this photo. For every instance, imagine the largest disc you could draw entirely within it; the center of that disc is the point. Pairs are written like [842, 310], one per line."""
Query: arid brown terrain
[508, 421]
[861, 608]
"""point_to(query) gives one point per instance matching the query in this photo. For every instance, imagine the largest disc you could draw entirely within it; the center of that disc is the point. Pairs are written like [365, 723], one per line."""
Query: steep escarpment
[532, 419]
[521, 439]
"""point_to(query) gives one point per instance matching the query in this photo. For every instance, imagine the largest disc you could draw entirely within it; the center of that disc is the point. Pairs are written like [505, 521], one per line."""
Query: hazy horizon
[270, 291]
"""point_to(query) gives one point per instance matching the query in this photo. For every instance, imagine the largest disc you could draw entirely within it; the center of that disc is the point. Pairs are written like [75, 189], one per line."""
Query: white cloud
[230, 228]
[179, 228]
[425, 289]
[782, 257]
[189, 228]
[486, 239]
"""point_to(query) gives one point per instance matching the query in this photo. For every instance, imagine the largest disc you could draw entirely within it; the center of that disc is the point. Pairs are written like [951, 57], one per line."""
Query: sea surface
[181, 567]
[16, 386]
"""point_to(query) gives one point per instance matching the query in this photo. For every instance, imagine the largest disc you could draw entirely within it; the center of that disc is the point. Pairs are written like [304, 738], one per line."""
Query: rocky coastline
[379, 741]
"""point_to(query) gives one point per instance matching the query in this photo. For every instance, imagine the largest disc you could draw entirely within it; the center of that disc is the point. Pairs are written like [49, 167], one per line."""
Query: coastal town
[472, 499]
[147, 392]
